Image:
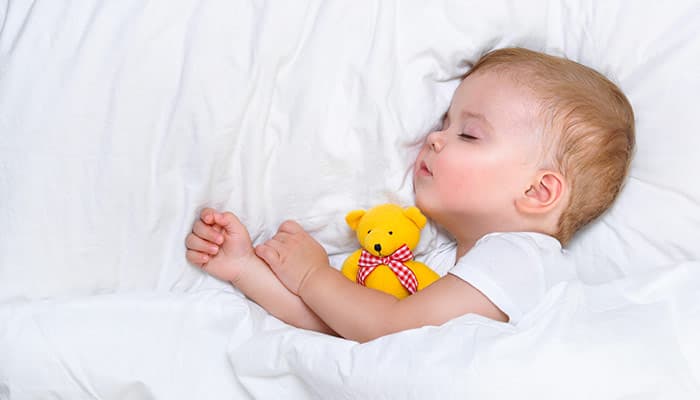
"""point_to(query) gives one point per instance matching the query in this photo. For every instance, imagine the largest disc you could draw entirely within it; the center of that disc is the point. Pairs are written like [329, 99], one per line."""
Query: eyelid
[468, 136]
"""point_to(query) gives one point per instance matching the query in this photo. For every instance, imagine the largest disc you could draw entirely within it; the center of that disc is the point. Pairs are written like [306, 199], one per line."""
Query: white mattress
[120, 120]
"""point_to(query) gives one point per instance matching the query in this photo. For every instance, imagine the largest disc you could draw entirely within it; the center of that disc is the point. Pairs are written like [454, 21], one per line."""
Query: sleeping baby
[532, 148]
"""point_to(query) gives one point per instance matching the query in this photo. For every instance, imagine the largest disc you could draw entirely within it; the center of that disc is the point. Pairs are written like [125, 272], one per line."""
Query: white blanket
[120, 120]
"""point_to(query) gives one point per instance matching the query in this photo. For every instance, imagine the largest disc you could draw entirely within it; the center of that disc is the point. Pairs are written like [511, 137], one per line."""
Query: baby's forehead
[494, 93]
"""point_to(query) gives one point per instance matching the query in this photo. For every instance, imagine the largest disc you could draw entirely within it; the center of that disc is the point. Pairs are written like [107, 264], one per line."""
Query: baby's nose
[435, 141]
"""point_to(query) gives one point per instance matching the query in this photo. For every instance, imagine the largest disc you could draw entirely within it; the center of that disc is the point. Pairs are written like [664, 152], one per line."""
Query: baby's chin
[425, 208]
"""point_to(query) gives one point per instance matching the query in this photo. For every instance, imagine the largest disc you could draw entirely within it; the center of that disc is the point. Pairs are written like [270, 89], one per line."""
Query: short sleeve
[514, 270]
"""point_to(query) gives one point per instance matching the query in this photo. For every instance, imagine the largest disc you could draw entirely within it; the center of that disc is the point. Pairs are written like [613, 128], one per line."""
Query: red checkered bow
[368, 262]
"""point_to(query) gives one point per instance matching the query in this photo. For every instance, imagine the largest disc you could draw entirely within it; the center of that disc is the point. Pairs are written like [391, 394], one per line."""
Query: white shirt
[514, 270]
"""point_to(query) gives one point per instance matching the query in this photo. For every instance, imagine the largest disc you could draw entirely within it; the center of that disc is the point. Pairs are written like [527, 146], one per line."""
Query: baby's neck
[464, 245]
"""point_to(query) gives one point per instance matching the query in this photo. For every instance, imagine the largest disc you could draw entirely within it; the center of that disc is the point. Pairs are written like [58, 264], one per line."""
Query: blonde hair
[588, 135]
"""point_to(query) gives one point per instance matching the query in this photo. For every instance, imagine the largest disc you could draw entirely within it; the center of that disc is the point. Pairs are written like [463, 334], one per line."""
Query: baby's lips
[424, 168]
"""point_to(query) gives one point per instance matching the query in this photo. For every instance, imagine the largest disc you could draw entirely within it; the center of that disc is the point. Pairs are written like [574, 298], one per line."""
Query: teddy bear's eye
[369, 231]
[391, 233]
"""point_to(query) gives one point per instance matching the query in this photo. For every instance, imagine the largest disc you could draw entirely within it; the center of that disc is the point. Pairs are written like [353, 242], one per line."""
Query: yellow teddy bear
[387, 235]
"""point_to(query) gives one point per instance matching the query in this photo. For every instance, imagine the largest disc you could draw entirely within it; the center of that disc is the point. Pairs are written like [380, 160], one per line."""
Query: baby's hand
[219, 244]
[292, 254]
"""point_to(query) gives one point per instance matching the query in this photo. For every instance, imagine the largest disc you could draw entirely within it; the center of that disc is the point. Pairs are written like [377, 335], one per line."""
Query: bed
[121, 120]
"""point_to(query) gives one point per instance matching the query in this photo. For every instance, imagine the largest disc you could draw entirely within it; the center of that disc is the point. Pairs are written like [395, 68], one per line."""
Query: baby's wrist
[242, 269]
[306, 280]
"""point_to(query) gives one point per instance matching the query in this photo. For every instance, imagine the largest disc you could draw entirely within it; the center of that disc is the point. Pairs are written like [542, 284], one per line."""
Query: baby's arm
[357, 312]
[221, 246]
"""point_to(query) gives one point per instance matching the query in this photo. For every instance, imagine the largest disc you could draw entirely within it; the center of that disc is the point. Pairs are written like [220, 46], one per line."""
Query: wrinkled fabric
[121, 120]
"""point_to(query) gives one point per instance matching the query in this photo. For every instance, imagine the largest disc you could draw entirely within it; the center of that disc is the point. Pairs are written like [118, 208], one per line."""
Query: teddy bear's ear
[414, 214]
[353, 218]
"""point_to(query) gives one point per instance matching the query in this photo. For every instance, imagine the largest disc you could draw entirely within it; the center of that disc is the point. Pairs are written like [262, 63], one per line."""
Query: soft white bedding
[119, 120]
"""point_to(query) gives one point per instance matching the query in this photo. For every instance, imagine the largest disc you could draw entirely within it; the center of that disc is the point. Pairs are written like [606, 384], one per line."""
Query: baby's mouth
[423, 169]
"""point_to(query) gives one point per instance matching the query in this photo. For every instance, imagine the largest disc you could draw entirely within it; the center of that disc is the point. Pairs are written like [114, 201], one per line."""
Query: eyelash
[467, 137]
[446, 124]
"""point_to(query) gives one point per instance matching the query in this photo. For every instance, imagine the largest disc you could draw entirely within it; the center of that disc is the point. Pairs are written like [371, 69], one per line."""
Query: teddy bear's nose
[377, 247]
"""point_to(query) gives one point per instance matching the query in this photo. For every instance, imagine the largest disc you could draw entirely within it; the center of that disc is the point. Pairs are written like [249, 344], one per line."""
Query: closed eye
[466, 136]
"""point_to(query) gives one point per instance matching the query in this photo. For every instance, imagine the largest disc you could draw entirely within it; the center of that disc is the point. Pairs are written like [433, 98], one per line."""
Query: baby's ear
[414, 214]
[353, 218]
[544, 194]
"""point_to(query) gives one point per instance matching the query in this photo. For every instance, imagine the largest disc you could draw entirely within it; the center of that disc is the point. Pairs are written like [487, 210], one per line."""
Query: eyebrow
[480, 117]
[469, 114]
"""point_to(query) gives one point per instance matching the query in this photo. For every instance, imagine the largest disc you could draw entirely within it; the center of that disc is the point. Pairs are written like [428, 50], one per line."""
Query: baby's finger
[207, 232]
[197, 258]
[194, 242]
[229, 222]
[290, 226]
[268, 253]
[281, 242]
[207, 215]
[280, 237]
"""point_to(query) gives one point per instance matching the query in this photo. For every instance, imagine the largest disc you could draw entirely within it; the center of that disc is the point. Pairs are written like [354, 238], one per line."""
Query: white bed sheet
[636, 337]
[120, 120]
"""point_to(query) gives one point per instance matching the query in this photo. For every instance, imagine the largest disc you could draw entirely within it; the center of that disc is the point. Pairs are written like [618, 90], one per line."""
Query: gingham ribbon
[395, 261]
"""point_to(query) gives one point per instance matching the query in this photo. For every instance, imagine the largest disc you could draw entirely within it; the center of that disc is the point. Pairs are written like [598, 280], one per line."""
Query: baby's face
[483, 157]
